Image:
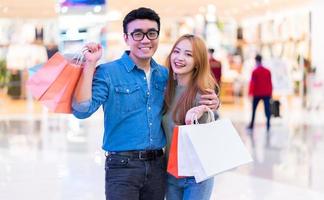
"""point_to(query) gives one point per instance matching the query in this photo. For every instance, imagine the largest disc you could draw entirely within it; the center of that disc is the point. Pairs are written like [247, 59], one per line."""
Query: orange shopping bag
[56, 91]
[58, 97]
[173, 154]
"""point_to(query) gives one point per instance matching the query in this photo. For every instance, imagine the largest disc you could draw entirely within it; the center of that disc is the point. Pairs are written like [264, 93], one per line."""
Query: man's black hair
[141, 13]
[258, 58]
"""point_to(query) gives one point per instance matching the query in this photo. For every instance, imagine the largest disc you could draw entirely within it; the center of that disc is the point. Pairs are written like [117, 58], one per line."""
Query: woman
[189, 78]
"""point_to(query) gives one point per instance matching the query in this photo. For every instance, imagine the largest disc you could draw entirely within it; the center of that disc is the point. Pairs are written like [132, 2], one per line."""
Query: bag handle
[78, 57]
[211, 117]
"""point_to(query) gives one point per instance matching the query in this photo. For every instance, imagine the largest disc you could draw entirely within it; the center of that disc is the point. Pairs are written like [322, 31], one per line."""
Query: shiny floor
[56, 157]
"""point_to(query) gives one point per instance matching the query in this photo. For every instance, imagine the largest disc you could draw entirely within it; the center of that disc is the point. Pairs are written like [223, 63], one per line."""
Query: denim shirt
[132, 110]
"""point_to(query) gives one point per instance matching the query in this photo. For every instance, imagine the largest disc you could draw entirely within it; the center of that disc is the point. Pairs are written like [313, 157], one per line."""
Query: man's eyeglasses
[139, 35]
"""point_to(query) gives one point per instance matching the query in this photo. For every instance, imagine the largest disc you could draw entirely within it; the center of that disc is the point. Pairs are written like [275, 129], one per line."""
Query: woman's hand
[210, 99]
[92, 54]
[195, 111]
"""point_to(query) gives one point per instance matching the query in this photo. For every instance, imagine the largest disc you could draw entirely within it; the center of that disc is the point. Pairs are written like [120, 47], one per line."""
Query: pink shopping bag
[45, 76]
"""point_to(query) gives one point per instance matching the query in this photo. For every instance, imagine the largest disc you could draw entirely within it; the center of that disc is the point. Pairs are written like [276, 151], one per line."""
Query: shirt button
[144, 78]
[149, 108]
[151, 139]
[127, 90]
[148, 93]
[150, 124]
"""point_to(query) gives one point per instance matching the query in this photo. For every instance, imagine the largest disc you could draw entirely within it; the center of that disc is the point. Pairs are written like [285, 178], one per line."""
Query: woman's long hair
[201, 79]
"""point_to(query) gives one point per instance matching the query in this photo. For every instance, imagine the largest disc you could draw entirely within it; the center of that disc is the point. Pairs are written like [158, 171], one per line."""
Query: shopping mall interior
[53, 156]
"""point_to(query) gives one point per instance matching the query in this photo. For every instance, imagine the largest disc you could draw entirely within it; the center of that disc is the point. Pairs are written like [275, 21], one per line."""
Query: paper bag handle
[211, 117]
[78, 57]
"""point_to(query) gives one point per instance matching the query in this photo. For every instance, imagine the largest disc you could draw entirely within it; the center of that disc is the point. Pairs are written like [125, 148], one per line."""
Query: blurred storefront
[286, 33]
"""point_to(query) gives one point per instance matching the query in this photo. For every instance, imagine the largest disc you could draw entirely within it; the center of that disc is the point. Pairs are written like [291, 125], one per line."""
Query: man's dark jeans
[267, 111]
[134, 179]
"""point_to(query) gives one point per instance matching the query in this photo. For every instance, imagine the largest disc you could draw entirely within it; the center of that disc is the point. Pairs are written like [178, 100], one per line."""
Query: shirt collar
[130, 65]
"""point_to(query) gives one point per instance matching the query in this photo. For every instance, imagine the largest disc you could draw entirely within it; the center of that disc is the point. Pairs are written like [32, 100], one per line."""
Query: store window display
[25, 49]
[39, 33]
[281, 40]
[51, 49]
[19, 58]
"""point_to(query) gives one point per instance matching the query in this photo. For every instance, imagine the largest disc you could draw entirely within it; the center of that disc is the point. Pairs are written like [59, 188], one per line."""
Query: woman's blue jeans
[188, 189]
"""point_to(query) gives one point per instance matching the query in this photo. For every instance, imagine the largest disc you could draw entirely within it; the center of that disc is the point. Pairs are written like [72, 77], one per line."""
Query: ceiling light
[97, 9]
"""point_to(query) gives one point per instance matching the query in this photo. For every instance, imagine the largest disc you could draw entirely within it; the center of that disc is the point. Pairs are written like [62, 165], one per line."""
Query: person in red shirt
[215, 65]
[260, 89]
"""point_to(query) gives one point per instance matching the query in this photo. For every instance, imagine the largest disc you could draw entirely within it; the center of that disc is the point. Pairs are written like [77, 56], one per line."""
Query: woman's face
[182, 61]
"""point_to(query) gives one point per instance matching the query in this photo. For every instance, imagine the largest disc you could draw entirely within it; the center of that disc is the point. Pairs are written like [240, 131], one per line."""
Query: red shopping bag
[46, 75]
[55, 91]
[173, 154]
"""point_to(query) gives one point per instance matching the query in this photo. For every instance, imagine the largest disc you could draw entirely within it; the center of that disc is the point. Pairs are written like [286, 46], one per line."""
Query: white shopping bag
[205, 150]
[186, 156]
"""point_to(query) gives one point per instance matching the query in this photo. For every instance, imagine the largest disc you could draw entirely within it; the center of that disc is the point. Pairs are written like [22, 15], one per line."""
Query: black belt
[140, 155]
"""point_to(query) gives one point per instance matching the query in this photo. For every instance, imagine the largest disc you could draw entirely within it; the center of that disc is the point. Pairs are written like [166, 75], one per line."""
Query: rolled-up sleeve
[80, 109]
[100, 93]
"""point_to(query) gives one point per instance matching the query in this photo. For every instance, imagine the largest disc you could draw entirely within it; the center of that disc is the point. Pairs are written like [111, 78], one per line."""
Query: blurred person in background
[215, 65]
[189, 78]
[260, 88]
[131, 91]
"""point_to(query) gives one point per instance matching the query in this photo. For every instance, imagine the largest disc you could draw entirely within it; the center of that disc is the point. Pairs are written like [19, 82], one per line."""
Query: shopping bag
[56, 91]
[213, 147]
[34, 69]
[46, 75]
[58, 97]
[187, 157]
[172, 167]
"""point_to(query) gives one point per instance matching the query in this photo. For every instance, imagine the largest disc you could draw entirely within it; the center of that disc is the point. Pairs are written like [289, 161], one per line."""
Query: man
[216, 66]
[131, 90]
[260, 89]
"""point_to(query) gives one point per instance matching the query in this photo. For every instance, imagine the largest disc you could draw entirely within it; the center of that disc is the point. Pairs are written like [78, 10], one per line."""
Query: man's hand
[194, 112]
[210, 99]
[92, 53]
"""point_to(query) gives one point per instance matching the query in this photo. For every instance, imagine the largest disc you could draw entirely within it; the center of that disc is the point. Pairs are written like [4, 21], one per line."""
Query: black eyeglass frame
[145, 34]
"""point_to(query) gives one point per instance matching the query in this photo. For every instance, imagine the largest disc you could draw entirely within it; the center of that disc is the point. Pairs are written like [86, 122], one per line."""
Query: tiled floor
[56, 157]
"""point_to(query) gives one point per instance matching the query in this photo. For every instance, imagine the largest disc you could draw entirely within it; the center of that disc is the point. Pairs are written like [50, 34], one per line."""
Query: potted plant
[4, 74]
